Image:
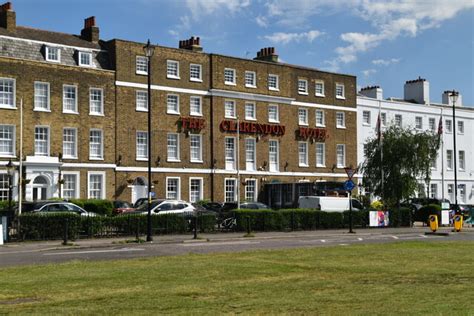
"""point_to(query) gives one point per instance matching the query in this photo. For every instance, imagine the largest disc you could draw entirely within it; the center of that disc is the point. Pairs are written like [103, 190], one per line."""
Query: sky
[383, 43]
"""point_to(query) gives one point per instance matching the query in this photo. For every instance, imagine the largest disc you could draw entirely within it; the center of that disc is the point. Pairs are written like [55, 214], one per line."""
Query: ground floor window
[230, 190]
[3, 187]
[70, 186]
[96, 187]
[195, 189]
[251, 190]
[433, 190]
[172, 188]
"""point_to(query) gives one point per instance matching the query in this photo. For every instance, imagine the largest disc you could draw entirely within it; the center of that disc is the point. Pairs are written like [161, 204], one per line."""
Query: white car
[160, 207]
[63, 207]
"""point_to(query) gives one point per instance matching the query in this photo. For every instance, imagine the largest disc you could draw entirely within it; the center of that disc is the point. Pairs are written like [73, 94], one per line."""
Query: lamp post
[453, 95]
[10, 172]
[149, 50]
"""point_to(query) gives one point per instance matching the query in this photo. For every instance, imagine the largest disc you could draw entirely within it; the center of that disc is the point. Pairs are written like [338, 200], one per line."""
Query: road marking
[93, 251]
[220, 243]
[394, 237]
[343, 244]
[359, 239]
[323, 240]
[424, 236]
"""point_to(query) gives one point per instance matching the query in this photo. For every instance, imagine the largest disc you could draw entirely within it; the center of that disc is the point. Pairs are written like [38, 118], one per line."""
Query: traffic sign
[350, 172]
[349, 185]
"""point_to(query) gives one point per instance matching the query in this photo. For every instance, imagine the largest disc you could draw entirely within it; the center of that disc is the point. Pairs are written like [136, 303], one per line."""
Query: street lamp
[453, 96]
[149, 50]
[10, 172]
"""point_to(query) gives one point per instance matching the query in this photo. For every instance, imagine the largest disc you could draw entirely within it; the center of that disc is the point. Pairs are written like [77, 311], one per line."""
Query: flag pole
[440, 135]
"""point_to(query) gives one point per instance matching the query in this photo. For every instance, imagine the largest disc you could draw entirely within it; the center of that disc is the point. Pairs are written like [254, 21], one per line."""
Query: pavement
[222, 237]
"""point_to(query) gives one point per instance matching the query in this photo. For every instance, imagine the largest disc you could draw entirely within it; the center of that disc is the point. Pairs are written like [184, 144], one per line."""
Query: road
[109, 249]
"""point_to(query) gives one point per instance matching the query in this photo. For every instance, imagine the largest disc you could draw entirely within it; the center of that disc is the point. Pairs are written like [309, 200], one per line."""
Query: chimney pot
[192, 43]
[7, 16]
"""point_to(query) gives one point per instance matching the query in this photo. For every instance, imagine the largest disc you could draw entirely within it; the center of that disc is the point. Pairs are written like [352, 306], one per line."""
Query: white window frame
[169, 63]
[139, 64]
[195, 79]
[254, 111]
[383, 119]
[277, 165]
[233, 82]
[449, 160]
[343, 96]
[77, 185]
[65, 156]
[178, 188]
[255, 187]
[171, 110]
[343, 165]
[400, 123]
[48, 97]
[254, 79]
[305, 162]
[75, 110]
[230, 164]
[137, 108]
[249, 164]
[366, 119]
[48, 141]
[201, 188]
[178, 156]
[304, 88]
[461, 162]
[343, 125]
[228, 102]
[101, 156]
[316, 93]
[460, 131]
[58, 50]
[305, 121]
[101, 112]
[277, 84]
[462, 192]
[103, 186]
[234, 180]
[79, 57]
[449, 126]
[5, 105]
[191, 111]
[432, 124]
[323, 155]
[323, 124]
[274, 120]
[13, 141]
[199, 159]
[433, 190]
[139, 157]
[419, 122]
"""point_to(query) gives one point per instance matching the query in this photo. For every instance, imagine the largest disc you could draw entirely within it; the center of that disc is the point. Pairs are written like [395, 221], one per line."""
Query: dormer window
[53, 54]
[85, 59]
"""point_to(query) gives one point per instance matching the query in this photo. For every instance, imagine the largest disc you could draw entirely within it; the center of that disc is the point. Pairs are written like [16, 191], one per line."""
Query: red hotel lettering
[252, 128]
[192, 123]
[314, 133]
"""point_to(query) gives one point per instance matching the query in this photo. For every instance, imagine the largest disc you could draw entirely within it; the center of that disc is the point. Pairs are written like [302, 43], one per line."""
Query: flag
[378, 128]
[440, 129]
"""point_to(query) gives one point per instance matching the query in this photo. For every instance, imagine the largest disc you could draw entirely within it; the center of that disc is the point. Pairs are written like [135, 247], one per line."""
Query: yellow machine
[433, 219]
[457, 222]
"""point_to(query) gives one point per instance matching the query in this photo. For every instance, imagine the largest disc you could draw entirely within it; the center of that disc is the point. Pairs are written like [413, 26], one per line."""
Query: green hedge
[424, 212]
[51, 225]
[102, 207]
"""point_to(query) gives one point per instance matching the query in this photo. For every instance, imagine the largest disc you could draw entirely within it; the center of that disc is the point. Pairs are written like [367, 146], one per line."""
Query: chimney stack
[7, 16]
[90, 32]
[191, 44]
[267, 54]
[372, 92]
[417, 90]
[446, 100]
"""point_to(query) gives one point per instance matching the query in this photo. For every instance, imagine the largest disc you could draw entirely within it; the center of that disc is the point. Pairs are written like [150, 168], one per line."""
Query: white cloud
[369, 72]
[261, 21]
[199, 8]
[385, 62]
[285, 38]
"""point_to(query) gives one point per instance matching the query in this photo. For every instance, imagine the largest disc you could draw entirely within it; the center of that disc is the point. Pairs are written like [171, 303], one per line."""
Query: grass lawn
[404, 278]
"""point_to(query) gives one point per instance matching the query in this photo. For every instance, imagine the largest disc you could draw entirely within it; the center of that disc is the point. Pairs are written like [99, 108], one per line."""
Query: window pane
[69, 99]
[6, 140]
[196, 190]
[195, 144]
[142, 145]
[69, 143]
[230, 190]
[195, 105]
[173, 151]
[7, 92]
[95, 186]
[95, 144]
[41, 96]
[69, 186]
[172, 188]
[96, 101]
[173, 103]
[41, 141]
[142, 65]
[142, 100]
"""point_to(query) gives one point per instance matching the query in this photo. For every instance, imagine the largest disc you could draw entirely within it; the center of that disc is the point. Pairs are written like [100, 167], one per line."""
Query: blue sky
[381, 42]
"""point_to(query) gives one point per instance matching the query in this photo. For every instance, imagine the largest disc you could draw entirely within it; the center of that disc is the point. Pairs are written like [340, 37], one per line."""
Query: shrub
[424, 212]
[359, 218]
[49, 226]
[102, 207]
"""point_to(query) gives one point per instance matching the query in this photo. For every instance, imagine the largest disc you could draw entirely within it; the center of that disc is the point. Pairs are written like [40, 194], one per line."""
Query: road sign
[349, 185]
[350, 172]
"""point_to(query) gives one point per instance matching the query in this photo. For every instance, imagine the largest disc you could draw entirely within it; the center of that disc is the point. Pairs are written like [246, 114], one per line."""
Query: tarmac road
[30, 253]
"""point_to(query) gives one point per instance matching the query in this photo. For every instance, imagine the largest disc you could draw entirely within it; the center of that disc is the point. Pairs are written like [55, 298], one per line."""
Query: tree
[406, 157]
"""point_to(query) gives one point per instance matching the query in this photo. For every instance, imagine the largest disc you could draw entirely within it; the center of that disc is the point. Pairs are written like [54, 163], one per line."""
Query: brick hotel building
[220, 124]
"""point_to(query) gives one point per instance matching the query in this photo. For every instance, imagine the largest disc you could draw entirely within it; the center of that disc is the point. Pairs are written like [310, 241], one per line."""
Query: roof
[48, 36]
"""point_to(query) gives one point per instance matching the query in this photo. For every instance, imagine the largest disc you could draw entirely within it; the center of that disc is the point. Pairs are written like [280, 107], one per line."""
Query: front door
[40, 188]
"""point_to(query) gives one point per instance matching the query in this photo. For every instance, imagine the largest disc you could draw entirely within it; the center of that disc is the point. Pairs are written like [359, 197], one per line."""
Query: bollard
[195, 227]
[66, 228]
[248, 225]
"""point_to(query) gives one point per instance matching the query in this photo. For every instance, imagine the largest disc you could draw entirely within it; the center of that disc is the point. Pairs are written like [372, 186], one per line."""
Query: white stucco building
[416, 110]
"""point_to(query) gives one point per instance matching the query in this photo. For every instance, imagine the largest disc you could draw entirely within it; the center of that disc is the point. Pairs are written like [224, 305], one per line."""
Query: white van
[328, 203]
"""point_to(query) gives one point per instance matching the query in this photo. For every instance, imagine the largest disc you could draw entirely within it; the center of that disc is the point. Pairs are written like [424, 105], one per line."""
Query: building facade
[416, 111]
[222, 126]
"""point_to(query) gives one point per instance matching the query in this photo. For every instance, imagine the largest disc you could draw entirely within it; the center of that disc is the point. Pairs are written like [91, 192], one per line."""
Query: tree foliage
[407, 157]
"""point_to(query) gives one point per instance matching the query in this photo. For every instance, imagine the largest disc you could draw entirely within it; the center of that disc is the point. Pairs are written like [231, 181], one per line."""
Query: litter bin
[433, 219]
[457, 222]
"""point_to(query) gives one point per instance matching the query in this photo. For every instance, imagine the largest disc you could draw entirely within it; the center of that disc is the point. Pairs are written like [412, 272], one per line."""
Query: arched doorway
[139, 189]
[40, 188]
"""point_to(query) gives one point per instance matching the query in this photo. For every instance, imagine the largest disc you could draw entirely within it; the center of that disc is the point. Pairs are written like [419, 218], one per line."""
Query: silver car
[63, 207]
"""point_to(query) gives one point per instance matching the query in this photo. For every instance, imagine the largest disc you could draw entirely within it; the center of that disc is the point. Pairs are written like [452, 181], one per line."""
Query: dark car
[122, 207]
[416, 203]
[63, 207]
[254, 206]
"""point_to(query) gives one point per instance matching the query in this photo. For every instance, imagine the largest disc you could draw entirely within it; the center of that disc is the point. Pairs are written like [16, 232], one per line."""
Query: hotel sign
[253, 128]
[191, 123]
[312, 133]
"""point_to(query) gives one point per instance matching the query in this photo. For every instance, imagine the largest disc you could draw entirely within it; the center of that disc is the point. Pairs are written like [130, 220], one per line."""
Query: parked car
[160, 207]
[416, 203]
[60, 207]
[254, 206]
[122, 207]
